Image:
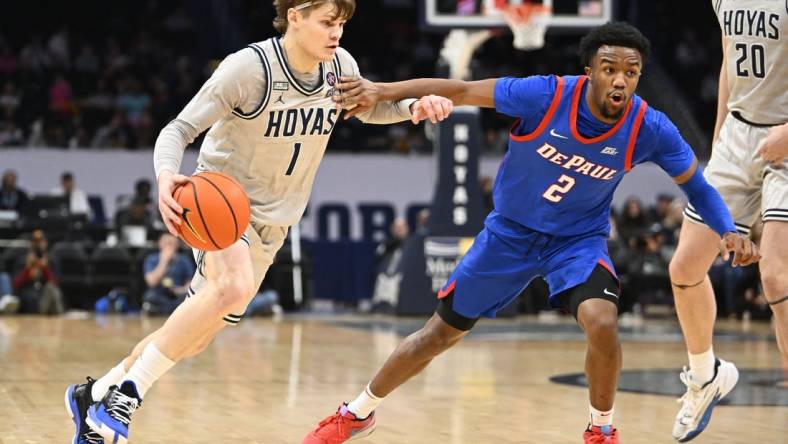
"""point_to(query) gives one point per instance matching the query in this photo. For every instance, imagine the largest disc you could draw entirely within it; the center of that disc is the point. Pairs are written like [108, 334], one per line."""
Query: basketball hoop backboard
[442, 15]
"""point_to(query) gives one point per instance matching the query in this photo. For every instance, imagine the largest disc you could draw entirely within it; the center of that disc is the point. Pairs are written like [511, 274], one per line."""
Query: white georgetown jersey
[757, 57]
[275, 148]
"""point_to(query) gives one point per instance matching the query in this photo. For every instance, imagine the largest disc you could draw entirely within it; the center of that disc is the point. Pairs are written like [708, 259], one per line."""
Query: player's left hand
[774, 147]
[435, 108]
[745, 252]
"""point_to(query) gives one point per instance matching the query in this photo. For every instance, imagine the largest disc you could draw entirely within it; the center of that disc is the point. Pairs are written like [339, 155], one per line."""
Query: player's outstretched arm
[361, 94]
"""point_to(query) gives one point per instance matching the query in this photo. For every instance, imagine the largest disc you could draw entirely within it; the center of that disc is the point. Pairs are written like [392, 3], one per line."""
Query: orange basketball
[215, 211]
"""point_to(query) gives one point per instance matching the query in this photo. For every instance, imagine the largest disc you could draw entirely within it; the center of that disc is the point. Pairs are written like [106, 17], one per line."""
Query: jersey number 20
[756, 56]
[556, 191]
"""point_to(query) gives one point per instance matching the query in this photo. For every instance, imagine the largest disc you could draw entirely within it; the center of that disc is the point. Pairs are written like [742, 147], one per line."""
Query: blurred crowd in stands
[113, 77]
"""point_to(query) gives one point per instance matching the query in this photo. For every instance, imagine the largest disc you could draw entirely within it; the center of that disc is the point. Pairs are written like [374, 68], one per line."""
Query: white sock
[600, 418]
[113, 377]
[364, 404]
[702, 366]
[148, 368]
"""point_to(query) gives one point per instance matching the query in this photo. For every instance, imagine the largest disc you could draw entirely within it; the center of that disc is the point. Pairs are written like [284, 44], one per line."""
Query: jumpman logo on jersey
[279, 100]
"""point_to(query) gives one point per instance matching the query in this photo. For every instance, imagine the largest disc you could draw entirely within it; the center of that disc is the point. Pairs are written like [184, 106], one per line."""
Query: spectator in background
[10, 99]
[8, 302]
[77, 199]
[660, 211]
[11, 197]
[633, 222]
[672, 221]
[134, 222]
[61, 97]
[10, 133]
[168, 275]
[387, 257]
[142, 190]
[423, 222]
[8, 60]
[646, 270]
[36, 284]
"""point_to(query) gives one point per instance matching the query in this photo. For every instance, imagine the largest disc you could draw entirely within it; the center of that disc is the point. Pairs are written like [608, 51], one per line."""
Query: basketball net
[527, 21]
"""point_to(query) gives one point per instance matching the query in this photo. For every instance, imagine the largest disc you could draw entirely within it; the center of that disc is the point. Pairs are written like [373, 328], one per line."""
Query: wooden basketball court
[272, 380]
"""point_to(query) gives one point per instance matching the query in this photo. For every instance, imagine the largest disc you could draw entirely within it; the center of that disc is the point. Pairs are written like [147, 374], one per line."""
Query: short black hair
[613, 34]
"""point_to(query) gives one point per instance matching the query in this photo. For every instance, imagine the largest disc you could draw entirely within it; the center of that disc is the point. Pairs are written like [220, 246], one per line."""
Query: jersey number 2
[296, 150]
[556, 191]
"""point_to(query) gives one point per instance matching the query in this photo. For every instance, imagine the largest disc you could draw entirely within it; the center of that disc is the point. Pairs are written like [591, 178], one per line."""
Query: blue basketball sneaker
[700, 399]
[78, 400]
[111, 417]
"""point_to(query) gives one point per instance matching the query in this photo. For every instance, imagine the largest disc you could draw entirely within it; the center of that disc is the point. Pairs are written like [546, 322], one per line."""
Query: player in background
[575, 138]
[748, 167]
[270, 112]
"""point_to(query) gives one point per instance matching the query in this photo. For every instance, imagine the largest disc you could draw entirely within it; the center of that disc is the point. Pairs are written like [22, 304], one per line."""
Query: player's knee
[601, 327]
[683, 270]
[234, 291]
[775, 281]
[433, 341]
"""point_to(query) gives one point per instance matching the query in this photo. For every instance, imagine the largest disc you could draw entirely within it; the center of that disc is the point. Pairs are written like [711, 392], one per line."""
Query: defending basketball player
[748, 166]
[575, 138]
[270, 112]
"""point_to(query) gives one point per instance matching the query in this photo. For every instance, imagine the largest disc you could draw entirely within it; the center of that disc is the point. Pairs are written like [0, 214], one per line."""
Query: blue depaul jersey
[559, 177]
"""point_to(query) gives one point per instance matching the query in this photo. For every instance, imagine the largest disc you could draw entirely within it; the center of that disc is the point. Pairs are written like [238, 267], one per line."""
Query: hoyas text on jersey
[752, 23]
[301, 121]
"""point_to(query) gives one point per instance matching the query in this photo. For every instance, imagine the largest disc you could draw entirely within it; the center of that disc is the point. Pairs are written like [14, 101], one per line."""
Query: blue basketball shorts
[506, 256]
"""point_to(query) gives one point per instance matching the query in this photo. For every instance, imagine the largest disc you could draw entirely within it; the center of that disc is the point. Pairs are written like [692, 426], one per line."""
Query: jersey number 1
[296, 150]
[556, 191]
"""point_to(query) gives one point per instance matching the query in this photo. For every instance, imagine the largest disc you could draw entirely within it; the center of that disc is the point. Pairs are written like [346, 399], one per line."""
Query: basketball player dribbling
[270, 110]
[748, 167]
[575, 138]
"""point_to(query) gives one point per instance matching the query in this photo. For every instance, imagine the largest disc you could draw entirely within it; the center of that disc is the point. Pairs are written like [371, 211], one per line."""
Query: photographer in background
[168, 275]
[36, 284]
[11, 196]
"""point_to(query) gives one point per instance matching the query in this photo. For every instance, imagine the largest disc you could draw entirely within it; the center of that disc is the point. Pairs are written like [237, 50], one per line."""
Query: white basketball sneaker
[699, 400]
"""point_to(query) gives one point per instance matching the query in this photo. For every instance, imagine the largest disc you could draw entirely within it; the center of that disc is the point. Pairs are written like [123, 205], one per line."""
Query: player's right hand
[356, 95]
[168, 208]
[435, 108]
[745, 252]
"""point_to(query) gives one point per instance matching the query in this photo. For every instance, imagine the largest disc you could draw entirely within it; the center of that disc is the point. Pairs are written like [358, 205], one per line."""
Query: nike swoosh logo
[555, 134]
[605, 291]
[185, 217]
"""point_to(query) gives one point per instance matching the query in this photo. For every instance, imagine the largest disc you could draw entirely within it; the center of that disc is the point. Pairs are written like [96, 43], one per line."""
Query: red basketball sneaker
[595, 435]
[341, 427]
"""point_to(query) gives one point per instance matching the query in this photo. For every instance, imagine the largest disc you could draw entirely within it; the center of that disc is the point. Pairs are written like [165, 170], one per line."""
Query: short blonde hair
[342, 9]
